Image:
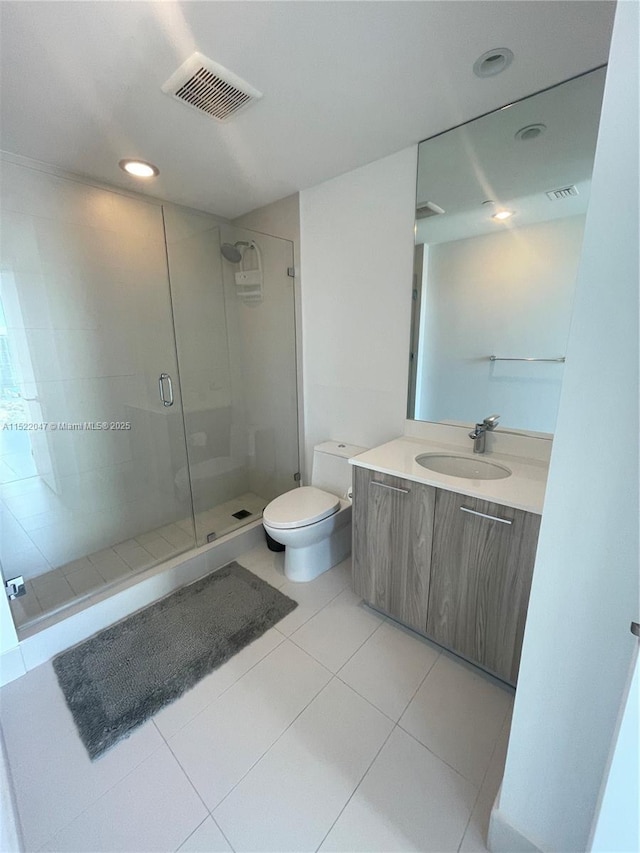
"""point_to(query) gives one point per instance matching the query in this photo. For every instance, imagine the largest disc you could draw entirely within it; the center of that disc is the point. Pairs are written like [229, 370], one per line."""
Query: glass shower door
[91, 425]
[260, 297]
[235, 331]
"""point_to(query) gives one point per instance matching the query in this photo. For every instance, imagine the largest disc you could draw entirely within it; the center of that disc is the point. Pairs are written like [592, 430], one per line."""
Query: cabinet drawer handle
[393, 488]
[484, 515]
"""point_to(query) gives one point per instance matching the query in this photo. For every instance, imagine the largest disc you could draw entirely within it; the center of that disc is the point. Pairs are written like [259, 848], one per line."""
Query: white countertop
[524, 489]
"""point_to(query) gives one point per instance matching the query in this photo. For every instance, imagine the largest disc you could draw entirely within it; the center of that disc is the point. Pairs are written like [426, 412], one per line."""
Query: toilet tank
[331, 470]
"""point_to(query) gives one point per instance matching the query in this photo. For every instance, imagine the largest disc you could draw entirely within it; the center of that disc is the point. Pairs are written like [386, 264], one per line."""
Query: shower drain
[242, 513]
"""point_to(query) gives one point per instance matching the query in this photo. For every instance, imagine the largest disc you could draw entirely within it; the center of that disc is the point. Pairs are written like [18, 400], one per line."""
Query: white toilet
[314, 522]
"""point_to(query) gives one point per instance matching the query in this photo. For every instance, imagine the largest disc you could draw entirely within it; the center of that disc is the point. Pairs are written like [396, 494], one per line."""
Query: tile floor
[336, 731]
[55, 588]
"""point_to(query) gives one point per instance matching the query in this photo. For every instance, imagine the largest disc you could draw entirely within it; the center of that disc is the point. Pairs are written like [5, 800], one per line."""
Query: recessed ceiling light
[531, 131]
[493, 62]
[139, 168]
[501, 215]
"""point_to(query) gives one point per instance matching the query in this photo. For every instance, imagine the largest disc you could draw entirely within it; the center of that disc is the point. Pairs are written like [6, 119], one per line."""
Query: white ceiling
[344, 83]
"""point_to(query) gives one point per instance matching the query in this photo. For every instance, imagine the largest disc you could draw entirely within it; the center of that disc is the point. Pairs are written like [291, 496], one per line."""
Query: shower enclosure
[147, 384]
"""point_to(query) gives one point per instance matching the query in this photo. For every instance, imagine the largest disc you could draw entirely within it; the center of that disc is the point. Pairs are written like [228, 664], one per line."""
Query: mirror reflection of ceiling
[485, 160]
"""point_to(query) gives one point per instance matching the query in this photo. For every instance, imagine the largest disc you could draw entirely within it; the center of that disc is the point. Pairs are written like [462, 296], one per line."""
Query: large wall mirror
[500, 213]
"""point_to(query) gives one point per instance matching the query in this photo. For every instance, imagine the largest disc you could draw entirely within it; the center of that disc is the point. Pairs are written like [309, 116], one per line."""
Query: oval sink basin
[463, 466]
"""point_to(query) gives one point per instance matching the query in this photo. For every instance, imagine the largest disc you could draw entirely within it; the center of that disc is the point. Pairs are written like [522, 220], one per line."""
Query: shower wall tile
[29, 563]
[13, 539]
[18, 242]
[7, 474]
[75, 203]
[88, 532]
[46, 519]
[33, 502]
[11, 441]
[33, 288]
[20, 464]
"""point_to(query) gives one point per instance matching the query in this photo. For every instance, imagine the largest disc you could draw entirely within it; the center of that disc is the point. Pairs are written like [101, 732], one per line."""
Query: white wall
[509, 294]
[279, 219]
[8, 636]
[617, 825]
[577, 645]
[357, 264]
[11, 665]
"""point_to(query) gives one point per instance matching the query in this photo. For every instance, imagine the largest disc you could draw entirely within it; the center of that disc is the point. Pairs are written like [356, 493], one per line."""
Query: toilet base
[272, 545]
[307, 562]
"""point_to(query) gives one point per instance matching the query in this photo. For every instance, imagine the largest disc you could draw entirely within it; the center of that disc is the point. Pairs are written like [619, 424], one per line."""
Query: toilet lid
[300, 507]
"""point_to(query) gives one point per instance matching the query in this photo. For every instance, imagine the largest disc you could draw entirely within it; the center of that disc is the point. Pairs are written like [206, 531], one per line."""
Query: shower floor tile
[61, 586]
[84, 580]
[220, 519]
[273, 751]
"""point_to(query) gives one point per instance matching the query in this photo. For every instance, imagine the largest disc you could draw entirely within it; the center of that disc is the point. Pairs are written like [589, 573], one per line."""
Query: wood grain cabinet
[457, 569]
[481, 568]
[392, 532]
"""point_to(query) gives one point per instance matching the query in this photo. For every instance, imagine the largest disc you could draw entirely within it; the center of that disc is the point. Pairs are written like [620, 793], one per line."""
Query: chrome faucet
[479, 434]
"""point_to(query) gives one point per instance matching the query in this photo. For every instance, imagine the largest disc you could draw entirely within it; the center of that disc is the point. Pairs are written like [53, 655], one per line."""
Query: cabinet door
[392, 540]
[480, 580]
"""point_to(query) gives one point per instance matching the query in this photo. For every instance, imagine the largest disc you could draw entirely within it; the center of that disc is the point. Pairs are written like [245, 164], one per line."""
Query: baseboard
[10, 829]
[11, 665]
[503, 837]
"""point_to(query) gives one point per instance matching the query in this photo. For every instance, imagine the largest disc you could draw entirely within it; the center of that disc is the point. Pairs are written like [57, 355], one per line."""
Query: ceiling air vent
[429, 208]
[210, 88]
[563, 192]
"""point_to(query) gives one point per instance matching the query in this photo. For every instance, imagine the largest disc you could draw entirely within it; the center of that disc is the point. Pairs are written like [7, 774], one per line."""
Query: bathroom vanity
[450, 557]
[444, 539]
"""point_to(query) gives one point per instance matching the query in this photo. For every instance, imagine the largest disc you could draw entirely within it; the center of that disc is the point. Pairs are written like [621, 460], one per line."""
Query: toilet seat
[300, 508]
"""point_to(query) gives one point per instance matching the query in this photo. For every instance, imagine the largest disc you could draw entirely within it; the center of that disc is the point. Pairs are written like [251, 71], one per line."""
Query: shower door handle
[166, 401]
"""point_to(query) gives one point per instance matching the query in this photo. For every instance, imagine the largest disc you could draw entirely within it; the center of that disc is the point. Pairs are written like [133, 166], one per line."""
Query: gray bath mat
[119, 678]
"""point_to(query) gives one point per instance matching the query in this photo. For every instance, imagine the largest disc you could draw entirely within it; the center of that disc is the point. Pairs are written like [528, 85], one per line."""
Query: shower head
[231, 252]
